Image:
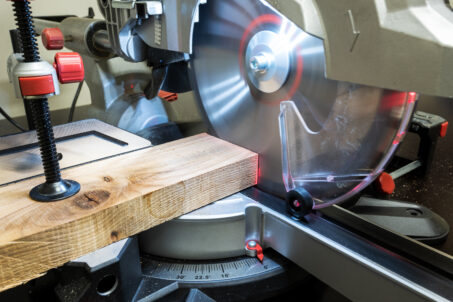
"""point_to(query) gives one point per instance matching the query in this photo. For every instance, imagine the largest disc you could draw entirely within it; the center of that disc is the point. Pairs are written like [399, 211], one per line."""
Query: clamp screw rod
[24, 22]
[44, 131]
[54, 188]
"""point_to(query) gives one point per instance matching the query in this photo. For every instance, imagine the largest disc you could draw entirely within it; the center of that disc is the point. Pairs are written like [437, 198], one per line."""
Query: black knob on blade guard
[300, 202]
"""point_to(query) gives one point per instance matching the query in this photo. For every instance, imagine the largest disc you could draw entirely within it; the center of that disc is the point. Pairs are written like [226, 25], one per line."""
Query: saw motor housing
[378, 43]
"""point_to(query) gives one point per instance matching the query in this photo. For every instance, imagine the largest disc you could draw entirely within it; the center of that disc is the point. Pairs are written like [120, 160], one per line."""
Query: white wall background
[8, 101]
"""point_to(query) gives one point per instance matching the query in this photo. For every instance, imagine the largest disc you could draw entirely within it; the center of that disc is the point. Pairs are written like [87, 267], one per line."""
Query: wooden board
[120, 197]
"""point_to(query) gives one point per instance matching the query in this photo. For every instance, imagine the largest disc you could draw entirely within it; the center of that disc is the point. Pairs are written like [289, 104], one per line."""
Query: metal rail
[359, 269]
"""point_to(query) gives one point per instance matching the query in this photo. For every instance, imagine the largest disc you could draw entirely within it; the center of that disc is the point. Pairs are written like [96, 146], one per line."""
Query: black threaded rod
[54, 188]
[49, 155]
[24, 22]
[39, 107]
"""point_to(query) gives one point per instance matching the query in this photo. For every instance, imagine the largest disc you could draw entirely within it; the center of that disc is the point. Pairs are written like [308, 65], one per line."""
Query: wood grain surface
[120, 197]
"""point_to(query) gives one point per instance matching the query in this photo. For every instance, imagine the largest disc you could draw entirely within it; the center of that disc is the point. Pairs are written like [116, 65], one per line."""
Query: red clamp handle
[69, 67]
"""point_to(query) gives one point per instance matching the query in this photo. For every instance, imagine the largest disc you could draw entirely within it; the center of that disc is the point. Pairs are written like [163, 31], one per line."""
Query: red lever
[39, 85]
[52, 38]
[69, 66]
[443, 129]
[252, 245]
[168, 96]
[386, 183]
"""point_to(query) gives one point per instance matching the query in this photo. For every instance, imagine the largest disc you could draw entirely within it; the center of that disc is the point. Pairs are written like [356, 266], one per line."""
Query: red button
[52, 38]
[34, 86]
[443, 129]
[69, 66]
[386, 184]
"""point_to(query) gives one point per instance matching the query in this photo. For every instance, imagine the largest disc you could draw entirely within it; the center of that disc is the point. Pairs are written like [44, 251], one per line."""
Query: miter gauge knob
[52, 38]
[69, 67]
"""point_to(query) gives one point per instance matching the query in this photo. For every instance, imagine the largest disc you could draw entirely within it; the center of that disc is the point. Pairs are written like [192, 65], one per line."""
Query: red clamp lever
[69, 66]
[385, 183]
[443, 129]
[254, 246]
[52, 38]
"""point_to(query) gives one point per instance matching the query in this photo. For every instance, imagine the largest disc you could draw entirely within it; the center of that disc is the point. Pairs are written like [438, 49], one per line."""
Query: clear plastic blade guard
[351, 149]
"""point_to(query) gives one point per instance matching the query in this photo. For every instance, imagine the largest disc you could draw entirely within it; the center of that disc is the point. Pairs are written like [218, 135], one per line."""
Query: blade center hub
[267, 61]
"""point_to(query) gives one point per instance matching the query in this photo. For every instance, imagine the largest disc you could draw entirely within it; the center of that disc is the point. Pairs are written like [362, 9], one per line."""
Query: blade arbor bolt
[260, 63]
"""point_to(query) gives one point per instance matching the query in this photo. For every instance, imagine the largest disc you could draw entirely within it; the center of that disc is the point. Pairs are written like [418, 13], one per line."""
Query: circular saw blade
[240, 107]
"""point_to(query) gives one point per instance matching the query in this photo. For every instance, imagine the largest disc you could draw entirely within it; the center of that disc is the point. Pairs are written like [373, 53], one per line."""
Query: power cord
[74, 102]
[11, 120]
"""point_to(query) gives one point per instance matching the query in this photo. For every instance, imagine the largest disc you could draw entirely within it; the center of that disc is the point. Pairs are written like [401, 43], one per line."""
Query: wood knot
[91, 199]
[108, 179]
[114, 236]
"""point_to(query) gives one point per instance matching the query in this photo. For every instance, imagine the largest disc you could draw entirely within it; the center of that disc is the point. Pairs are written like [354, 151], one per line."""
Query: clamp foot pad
[48, 192]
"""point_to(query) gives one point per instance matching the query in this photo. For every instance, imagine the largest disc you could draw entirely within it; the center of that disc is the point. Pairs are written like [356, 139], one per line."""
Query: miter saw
[324, 91]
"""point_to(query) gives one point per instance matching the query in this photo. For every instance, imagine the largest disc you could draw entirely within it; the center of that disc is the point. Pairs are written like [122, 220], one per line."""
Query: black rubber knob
[300, 202]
